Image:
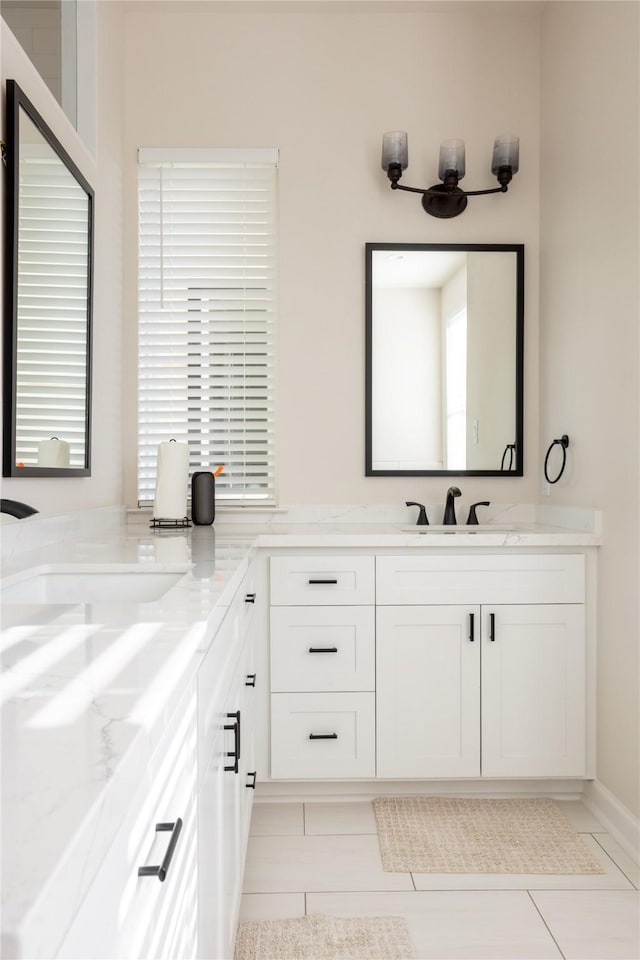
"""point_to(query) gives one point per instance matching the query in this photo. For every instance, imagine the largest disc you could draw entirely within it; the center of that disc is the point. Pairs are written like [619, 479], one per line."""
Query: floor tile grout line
[539, 912]
[617, 865]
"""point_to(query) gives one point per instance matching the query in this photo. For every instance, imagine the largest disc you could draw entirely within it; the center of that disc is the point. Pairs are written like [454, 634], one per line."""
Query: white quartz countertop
[87, 689]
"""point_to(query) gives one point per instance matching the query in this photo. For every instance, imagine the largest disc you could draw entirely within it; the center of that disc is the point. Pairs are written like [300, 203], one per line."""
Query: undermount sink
[460, 528]
[132, 584]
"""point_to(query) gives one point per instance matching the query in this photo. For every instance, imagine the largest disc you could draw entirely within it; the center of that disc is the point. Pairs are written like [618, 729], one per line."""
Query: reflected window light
[78, 695]
[37, 663]
[153, 700]
[14, 635]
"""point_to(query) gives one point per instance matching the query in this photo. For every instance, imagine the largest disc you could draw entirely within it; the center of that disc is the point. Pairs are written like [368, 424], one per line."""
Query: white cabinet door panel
[533, 691]
[428, 691]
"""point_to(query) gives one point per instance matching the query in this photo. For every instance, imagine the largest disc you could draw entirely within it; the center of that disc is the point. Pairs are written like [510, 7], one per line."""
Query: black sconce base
[444, 202]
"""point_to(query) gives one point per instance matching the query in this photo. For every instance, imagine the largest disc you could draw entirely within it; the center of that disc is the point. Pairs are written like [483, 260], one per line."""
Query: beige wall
[323, 86]
[589, 328]
[104, 172]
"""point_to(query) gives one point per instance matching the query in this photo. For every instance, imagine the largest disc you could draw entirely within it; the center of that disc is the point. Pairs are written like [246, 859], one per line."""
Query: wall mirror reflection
[444, 359]
[48, 292]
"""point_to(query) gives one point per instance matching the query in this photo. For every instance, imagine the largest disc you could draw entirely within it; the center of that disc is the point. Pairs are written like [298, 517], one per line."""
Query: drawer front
[548, 578]
[319, 581]
[125, 915]
[327, 648]
[316, 735]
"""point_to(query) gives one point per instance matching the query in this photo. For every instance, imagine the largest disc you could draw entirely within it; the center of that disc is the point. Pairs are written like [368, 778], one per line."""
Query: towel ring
[510, 449]
[564, 443]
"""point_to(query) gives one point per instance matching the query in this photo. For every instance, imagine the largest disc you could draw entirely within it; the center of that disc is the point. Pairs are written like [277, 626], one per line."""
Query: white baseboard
[619, 821]
[297, 791]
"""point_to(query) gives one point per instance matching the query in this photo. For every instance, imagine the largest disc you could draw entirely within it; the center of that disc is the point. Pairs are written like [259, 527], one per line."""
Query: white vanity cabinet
[322, 667]
[227, 684]
[481, 666]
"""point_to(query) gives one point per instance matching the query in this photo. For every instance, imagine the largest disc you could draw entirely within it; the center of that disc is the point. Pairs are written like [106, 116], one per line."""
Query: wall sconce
[446, 199]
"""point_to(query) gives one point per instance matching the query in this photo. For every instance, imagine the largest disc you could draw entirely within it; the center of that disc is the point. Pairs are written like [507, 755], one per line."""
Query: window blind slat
[207, 309]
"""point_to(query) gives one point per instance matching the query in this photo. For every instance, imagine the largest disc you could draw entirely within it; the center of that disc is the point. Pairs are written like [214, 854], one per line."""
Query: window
[456, 389]
[207, 314]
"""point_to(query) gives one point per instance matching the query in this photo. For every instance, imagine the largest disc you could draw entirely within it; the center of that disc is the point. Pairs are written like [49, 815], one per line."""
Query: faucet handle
[472, 519]
[423, 520]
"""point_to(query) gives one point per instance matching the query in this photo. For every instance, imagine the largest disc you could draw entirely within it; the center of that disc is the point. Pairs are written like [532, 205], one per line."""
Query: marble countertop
[87, 689]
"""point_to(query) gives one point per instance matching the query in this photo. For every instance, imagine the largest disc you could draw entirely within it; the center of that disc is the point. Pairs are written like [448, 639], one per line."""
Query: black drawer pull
[250, 598]
[251, 680]
[323, 649]
[161, 871]
[472, 627]
[235, 753]
[252, 785]
[323, 581]
[492, 626]
[323, 736]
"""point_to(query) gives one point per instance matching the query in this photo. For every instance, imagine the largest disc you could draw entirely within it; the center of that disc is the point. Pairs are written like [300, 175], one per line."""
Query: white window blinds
[207, 315]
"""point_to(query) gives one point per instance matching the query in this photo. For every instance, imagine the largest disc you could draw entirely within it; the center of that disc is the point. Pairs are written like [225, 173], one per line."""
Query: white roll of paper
[53, 453]
[172, 475]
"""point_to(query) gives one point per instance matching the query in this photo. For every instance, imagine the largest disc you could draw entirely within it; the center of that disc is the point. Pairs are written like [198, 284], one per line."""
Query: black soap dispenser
[203, 498]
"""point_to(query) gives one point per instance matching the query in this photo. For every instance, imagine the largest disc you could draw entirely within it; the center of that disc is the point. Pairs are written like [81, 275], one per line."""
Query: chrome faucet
[16, 509]
[449, 518]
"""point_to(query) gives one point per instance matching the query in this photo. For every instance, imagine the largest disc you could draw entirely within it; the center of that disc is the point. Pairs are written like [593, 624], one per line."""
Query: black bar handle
[250, 598]
[472, 619]
[252, 785]
[235, 753]
[251, 680]
[323, 736]
[161, 871]
[323, 649]
[323, 581]
[492, 626]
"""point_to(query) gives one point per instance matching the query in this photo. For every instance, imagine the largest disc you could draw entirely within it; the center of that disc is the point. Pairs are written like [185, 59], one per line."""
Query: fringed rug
[320, 937]
[443, 835]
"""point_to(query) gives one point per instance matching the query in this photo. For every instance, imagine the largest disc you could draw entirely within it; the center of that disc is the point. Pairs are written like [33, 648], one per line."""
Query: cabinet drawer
[318, 581]
[315, 735]
[125, 915]
[548, 578]
[327, 648]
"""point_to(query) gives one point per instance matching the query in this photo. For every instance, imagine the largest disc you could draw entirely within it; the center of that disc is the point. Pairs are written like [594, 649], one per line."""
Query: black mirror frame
[518, 249]
[16, 99]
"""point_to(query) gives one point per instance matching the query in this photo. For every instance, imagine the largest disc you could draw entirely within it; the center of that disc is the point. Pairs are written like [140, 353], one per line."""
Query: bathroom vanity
[301, 658]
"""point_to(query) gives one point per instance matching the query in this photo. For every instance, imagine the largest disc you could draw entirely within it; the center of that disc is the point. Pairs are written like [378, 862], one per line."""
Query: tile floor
[324, 858]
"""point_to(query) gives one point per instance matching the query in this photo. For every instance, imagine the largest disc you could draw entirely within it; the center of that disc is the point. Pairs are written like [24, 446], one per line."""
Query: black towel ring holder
[564, 443]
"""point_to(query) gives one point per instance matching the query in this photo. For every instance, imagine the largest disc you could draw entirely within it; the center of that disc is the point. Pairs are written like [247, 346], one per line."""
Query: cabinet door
[428, 691]
[533, 691]
[225, 812]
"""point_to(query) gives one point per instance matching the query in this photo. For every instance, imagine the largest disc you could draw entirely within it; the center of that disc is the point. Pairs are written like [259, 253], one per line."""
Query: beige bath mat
[443, 835]
[320, 937]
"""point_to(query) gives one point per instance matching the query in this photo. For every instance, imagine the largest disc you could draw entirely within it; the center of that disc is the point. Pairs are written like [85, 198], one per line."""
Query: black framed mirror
[48, 301]
[444, 343]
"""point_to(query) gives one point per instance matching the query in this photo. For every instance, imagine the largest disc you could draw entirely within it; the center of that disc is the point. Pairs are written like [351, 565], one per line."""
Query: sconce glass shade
[451, 158]
[506, 153]
[395, 149]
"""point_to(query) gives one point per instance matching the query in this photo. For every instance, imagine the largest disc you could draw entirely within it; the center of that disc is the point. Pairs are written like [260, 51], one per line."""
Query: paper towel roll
[53, 453]
[172, 474]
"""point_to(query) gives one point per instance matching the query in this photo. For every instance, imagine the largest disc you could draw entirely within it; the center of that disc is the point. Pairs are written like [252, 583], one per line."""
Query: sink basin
[459, 528]
[133, 584]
